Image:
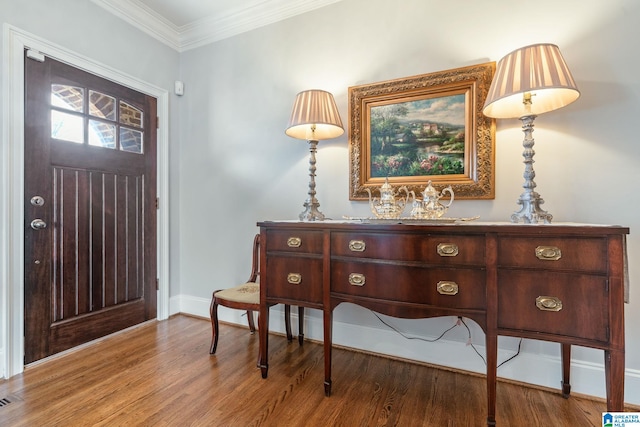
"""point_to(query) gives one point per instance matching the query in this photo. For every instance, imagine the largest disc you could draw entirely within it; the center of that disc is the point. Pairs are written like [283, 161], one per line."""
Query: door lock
[37, 201]
[38, 224]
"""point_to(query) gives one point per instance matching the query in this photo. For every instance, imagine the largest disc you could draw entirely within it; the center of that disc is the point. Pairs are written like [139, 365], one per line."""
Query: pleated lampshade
[539, 70]
[315, 116]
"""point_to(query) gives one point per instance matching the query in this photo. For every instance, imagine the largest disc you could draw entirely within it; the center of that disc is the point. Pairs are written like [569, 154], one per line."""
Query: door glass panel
[130, 115]
[102, 134]
[130, 140]
[67, 97]
[101, 105]
[68, 127]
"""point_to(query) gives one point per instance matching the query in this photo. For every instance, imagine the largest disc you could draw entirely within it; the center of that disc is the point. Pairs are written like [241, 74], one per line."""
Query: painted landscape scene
[418, 138]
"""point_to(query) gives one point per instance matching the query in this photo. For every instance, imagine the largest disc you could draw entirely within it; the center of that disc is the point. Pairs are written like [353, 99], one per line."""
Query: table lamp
[314, 117]
[529, 81]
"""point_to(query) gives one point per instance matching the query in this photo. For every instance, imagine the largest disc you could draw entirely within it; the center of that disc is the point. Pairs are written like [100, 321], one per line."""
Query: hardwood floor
[161, 374]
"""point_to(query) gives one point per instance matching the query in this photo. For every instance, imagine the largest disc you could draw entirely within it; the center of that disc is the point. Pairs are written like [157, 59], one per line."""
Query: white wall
[238, 167]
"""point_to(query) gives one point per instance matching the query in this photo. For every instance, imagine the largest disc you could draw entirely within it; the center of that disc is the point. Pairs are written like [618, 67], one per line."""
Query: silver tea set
[392, 203]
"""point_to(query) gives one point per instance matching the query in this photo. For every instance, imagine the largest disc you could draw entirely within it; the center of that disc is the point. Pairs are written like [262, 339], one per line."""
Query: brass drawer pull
[294, 278]
[447, 288]
[294, 242]
[546, 303]
[356, 279]
[357, 246]
[447, 249]
[548, 253]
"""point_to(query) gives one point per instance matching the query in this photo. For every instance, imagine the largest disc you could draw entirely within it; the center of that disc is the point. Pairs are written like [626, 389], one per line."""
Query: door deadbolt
[37, 201]
[38, 224]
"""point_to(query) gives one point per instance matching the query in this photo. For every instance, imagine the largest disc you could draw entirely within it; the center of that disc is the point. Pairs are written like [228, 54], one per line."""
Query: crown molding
[145, 19]
[208, 29]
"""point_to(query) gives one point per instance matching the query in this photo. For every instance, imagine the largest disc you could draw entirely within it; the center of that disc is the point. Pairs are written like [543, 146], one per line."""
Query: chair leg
[252, 325]
[300, 325]
[259, 349]
[213, 311]
[287, 321]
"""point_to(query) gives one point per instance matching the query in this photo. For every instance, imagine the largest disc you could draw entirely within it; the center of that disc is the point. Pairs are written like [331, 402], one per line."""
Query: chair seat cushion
[248, 293]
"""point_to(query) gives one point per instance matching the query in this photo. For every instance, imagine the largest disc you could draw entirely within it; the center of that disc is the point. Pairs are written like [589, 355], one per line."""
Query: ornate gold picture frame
[423, 128]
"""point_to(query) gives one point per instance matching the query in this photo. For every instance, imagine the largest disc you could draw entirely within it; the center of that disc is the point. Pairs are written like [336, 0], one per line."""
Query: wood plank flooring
[161, 374]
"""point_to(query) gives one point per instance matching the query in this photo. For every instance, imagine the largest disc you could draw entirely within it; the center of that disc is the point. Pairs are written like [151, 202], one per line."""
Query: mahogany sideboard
[563, 283]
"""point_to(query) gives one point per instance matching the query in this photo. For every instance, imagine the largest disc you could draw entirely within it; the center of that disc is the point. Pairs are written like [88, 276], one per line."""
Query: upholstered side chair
[247, 297]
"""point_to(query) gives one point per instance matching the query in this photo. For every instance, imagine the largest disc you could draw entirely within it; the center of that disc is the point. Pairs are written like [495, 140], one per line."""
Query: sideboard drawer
[442, 249]
[301, 241]
[452, 288]
[527, 300]
[554, 253]
[295, 278]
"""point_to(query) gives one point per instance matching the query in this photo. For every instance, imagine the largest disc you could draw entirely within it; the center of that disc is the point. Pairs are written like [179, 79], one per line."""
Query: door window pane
[68, 127]
[108, 121]
[102, 134]
[130, 140]
[101, 105]
[130, 115]
[67, 97]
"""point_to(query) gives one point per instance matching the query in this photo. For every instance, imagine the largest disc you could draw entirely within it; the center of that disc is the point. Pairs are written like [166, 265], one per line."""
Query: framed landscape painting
[423, 128]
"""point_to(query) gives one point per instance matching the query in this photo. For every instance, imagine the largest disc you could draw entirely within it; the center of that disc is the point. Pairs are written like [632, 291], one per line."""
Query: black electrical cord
[460, 320]
[407, 336]
[482, 357]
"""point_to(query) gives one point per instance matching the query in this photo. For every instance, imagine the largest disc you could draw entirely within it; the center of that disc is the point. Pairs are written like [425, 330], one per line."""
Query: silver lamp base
[311, 205]
[311, 212]
[530, 212]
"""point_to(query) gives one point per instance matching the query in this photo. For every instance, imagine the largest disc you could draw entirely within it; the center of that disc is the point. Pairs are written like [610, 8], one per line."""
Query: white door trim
[12, 185]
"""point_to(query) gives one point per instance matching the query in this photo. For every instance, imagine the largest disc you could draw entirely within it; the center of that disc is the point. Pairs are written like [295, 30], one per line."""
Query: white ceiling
[187, 24]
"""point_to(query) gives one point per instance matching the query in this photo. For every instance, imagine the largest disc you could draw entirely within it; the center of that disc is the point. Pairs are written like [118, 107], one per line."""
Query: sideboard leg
[492, 358]
[287, 322]
[263, 335]
[614, 375]
[327, 388]
[328, 322]
[566, 370]
[300, 325]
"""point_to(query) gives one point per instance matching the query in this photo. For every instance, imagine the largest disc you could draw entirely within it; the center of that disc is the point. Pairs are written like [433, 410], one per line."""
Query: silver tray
[443, 220]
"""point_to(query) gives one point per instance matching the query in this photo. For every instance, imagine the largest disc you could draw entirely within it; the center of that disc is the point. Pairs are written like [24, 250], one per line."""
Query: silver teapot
[430, 207]
[391, 204]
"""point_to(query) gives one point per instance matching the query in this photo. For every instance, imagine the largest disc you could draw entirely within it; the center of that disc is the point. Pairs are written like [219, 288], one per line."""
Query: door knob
[38, 224]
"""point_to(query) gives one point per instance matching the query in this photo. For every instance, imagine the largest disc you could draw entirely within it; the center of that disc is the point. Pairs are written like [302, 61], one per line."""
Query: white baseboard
[528, 367]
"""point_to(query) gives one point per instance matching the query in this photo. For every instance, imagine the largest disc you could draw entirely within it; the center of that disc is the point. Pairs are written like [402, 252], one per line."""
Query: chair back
[255, 267]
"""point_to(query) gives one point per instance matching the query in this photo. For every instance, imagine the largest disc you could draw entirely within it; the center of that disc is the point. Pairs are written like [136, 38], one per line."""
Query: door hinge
[157, 122]
[157, 284]
[157, 203]
[35, 55]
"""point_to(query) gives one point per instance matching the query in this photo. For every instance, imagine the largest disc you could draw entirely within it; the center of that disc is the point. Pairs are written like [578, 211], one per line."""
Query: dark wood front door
[90, 207]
